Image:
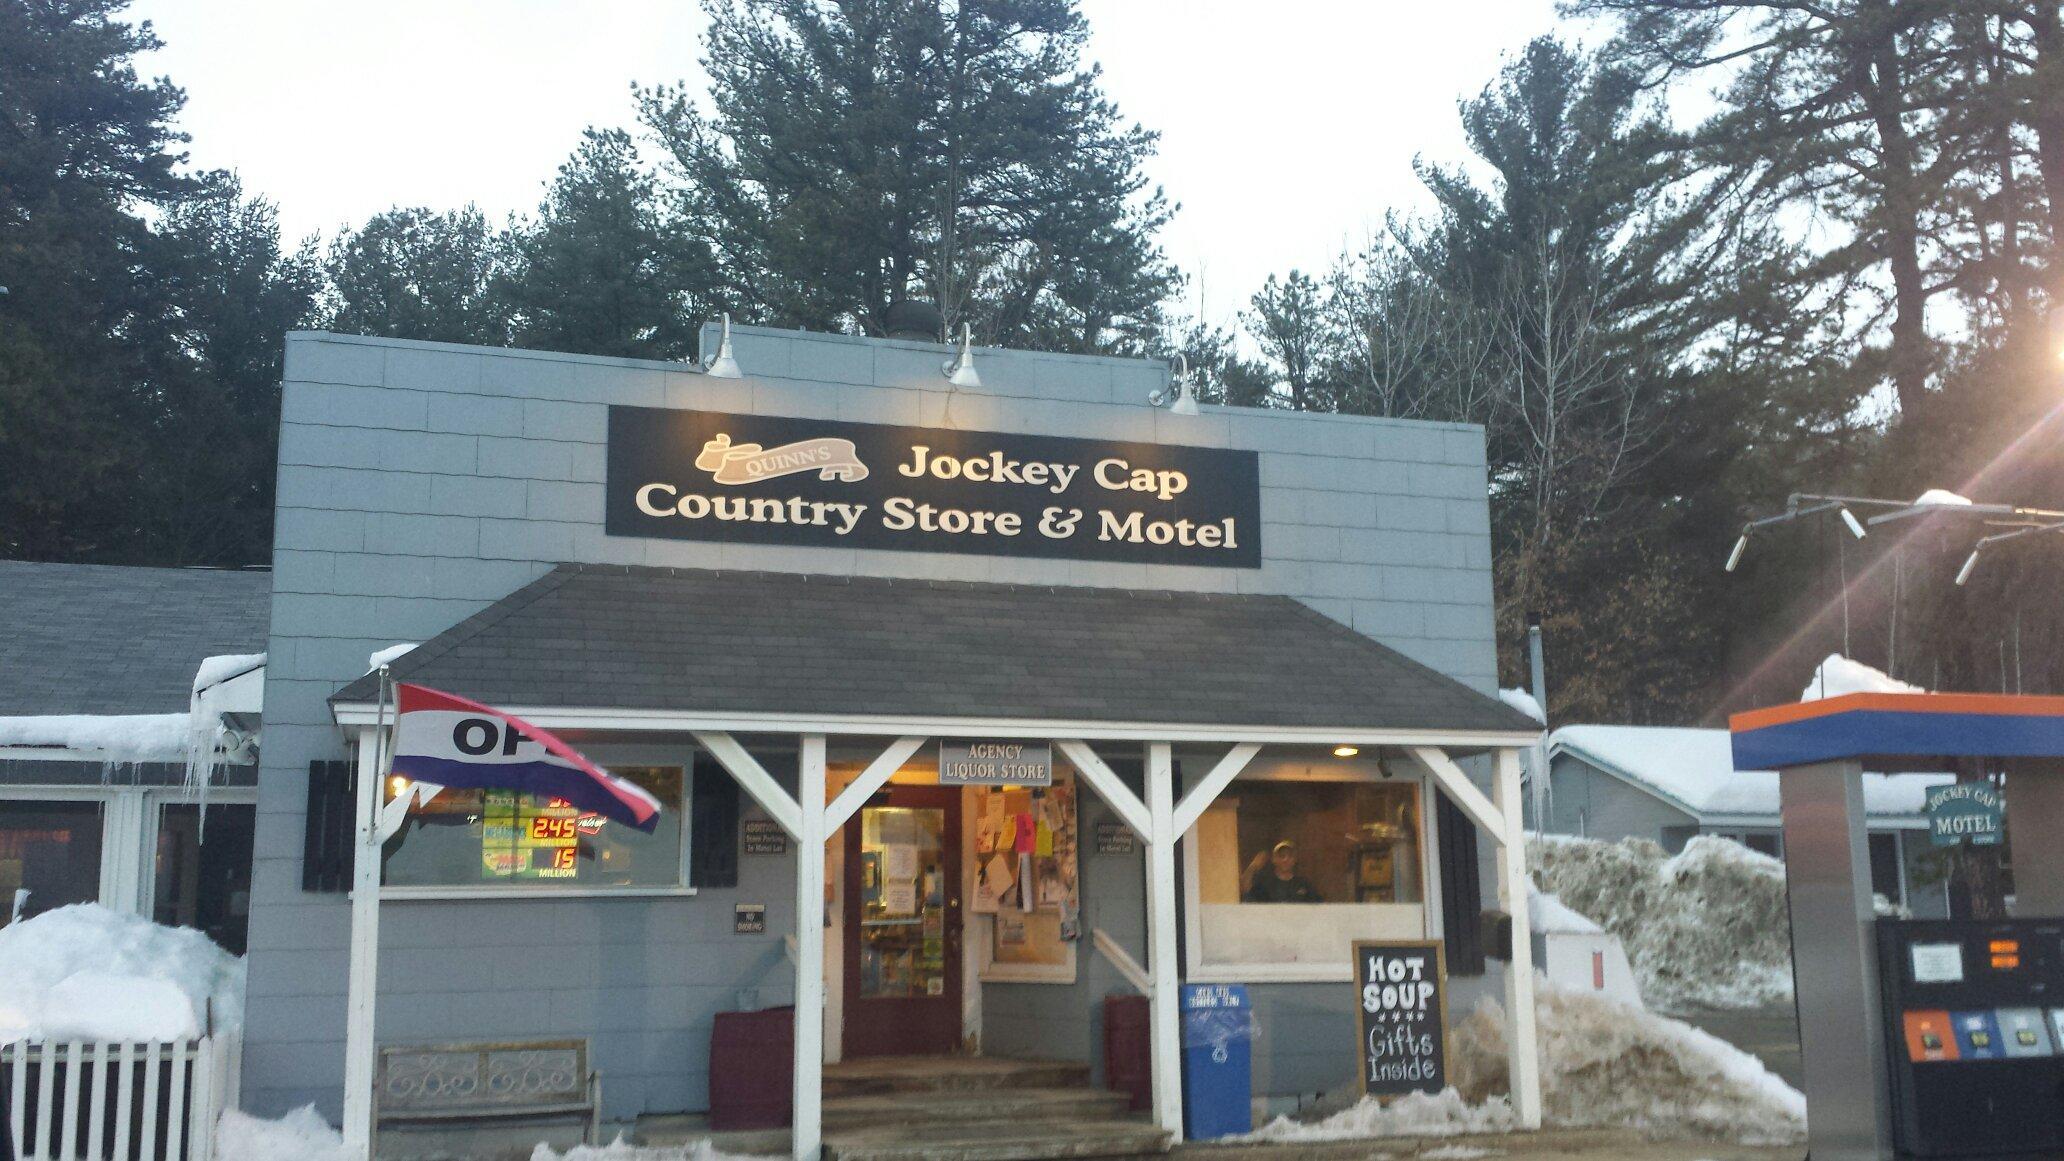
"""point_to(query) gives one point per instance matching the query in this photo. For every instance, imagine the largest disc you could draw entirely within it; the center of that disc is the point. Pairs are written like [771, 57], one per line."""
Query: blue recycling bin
[1218, 1061]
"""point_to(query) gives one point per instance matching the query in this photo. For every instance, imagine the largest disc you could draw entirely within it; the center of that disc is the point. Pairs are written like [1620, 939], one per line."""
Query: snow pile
[1607, 1064]
[622, 1150]
[1418, 1114]
[1838, 675]
[87, 973]
[301, 1135]
[1940, 498]
[1524, 702]
[1551, 916]
[114, 738]
[216, 670]
[1602, 1065]
[1707, 928]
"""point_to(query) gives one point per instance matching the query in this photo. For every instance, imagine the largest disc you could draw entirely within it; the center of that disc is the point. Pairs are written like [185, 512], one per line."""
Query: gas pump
[1974, 1026]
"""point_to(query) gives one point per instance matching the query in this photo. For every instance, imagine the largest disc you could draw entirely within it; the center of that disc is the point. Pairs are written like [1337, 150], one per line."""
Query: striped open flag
[447, 740]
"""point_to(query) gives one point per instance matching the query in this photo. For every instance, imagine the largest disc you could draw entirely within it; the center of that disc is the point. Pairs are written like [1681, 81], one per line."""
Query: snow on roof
[1838, 675]
[113, 737]
[388, 655]
[1524, 702]
[1695, 770]
[218, 669]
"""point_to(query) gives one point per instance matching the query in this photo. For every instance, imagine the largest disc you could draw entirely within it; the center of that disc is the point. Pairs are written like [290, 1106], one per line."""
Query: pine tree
[953, 149]
[210, 463]
[85, 148]
[606, 269]
[415, 273]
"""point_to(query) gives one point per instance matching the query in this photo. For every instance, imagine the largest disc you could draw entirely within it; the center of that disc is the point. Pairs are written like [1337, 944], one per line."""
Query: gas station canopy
[1921, 1038]
[1899, 730]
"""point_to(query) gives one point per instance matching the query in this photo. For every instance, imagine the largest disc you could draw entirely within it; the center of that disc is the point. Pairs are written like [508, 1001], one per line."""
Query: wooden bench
[528, 1080]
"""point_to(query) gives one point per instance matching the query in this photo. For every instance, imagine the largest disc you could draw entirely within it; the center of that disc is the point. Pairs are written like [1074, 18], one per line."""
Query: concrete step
[908, 1074]
[998, 1141]
[1025, 1106]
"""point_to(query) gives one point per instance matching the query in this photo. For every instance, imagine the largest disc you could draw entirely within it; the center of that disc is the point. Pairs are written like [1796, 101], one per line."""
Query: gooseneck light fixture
[1800, 505]
[1971, 561]
[724, 366]
[960, 371]
[1176, 396]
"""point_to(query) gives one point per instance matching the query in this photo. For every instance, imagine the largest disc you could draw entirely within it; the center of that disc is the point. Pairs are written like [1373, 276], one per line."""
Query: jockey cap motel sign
[704, 475]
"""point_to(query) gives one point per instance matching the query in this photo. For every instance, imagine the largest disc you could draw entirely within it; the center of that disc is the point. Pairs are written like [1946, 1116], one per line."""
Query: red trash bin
[752, 1069]
[1128, 1056]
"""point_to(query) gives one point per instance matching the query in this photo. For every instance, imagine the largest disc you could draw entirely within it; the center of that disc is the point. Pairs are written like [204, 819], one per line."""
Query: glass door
[903, 915]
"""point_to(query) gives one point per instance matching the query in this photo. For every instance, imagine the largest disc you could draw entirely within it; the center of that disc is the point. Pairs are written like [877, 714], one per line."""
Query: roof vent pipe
[914, 319]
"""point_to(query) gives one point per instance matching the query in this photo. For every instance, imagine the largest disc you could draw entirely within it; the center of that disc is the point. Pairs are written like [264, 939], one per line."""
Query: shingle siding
[394, 523]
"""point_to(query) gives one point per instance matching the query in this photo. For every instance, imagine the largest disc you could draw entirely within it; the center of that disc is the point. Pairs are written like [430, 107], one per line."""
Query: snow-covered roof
[1693, 770]
[107, 737]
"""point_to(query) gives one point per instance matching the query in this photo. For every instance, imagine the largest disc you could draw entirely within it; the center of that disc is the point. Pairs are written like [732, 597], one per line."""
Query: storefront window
[486, 838]
[49, 856]
[1288, 873]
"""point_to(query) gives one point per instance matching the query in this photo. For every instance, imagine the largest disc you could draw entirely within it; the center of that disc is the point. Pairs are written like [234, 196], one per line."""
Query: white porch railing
[77, 1101]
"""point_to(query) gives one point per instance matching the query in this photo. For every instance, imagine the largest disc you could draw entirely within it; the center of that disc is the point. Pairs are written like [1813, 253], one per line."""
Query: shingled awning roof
[616, 637]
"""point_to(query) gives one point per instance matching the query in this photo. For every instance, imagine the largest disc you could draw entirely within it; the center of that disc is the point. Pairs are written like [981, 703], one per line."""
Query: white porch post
[365, 952]
[809, 986]
[1162, 1008]
[1525, 1061]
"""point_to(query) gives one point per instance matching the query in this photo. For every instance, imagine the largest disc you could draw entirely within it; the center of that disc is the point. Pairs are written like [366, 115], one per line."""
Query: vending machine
[1974, 1024]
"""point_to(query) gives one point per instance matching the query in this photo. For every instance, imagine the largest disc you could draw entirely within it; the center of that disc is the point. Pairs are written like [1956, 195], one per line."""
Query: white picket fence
[76, 1101]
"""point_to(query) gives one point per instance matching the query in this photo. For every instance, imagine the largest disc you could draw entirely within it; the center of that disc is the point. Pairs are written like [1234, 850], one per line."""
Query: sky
[1288, 127]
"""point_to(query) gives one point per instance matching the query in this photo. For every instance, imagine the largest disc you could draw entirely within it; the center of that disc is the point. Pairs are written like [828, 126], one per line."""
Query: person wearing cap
[1280, 883]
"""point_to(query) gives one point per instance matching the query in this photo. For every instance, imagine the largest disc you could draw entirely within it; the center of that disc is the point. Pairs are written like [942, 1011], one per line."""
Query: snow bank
[301, 1135]
[1707, 928]
[87, 973]
[622, 1150]
[216, 670]
[1603, 1064]
[117, 738]
[1606, 1064]
[1524, 702]
[1838, 675]
[1442, 1114]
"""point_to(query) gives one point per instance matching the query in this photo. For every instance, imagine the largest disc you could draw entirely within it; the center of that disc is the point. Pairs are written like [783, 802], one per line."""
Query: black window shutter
[713, 819]
[332, 815]
[1461, 889]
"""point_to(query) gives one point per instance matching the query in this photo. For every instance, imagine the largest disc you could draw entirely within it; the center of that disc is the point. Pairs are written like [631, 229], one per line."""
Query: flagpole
[374, 754]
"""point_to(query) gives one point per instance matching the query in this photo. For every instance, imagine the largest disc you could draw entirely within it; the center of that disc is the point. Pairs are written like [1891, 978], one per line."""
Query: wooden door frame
[947, 799]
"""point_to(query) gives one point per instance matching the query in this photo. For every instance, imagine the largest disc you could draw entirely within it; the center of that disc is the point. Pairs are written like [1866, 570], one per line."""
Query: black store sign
[704, 475]
[1401, 1012]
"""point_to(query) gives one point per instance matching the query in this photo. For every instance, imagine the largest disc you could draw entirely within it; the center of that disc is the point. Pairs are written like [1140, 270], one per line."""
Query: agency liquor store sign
[705, 475]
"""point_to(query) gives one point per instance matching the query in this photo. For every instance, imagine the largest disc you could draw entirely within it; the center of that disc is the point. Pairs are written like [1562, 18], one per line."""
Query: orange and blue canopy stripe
[1897, 726]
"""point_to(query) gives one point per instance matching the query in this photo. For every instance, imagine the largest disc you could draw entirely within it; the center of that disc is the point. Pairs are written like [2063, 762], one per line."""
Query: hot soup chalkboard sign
[1401, 1014]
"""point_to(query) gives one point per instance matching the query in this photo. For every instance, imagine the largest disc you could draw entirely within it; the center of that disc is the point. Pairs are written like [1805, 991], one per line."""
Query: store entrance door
[902, 928]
